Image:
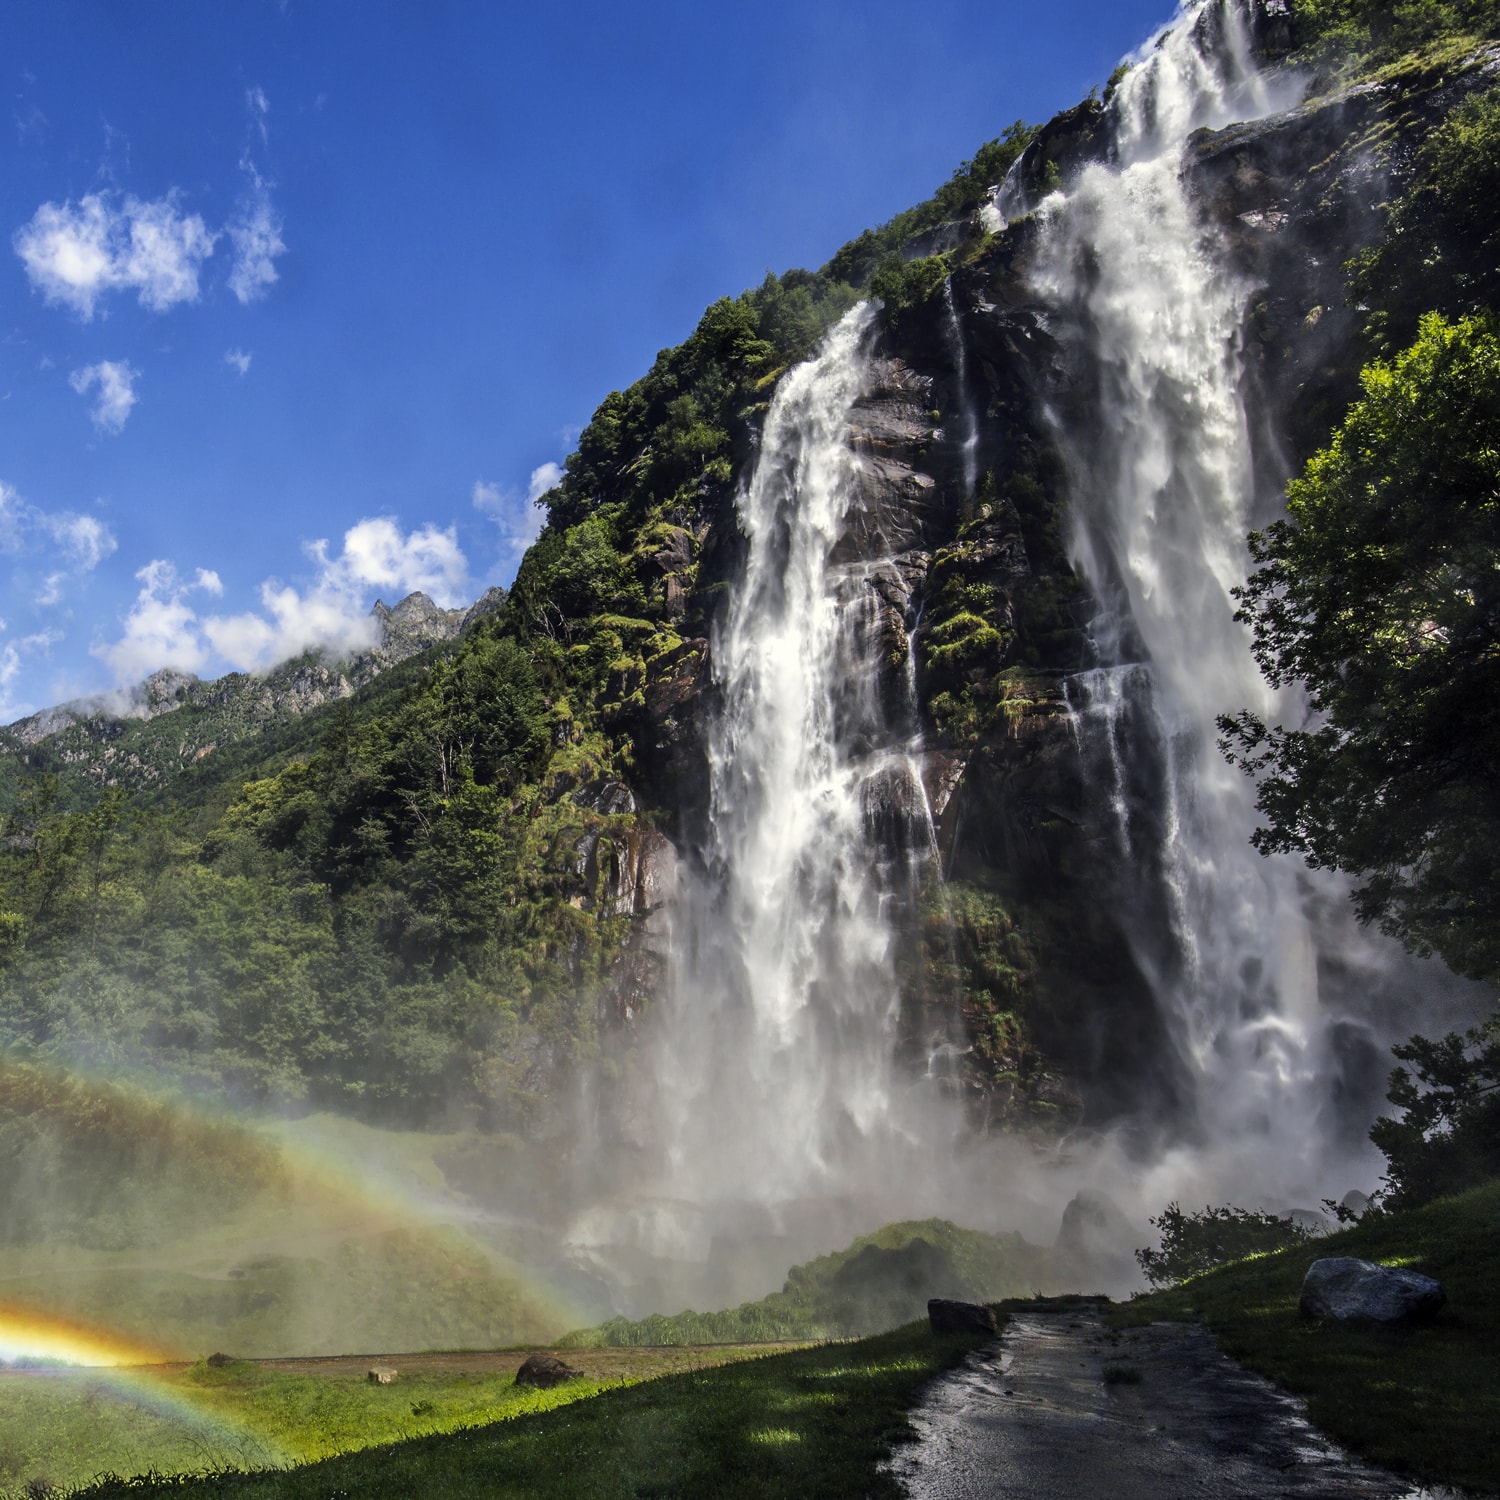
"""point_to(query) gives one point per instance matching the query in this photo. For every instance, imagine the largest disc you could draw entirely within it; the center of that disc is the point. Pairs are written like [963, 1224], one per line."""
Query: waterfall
[775, 1071]
[955, 335]
[1145, 300]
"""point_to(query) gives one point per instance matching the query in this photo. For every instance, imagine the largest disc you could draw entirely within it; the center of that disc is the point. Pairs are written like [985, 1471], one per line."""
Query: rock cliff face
[961, 517]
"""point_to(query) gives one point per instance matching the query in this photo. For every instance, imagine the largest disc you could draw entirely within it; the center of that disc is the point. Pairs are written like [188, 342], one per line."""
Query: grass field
[1425, 1402]
[814, 1421]
[65, 1427]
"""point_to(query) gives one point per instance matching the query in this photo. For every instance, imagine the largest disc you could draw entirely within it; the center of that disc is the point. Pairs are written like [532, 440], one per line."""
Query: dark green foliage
[1349, 34]
[857, 261]
[396, 921]
[1380, 592]
[1194, 1243]
[1424, 1402]
[908, 287]
[1442, 247]
[1447, 1138]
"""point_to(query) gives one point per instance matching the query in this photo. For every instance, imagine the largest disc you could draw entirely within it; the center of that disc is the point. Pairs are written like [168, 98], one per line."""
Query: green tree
[1447, 1137]
[1380, 592]
[1194, 1243]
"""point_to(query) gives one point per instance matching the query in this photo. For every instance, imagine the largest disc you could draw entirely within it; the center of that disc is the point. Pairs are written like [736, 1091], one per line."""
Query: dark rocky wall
[1295, 195]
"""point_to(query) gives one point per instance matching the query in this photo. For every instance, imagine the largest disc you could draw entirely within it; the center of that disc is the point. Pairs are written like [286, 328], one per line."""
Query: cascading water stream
[969, 448]
[1145, 300]
[775, 1071]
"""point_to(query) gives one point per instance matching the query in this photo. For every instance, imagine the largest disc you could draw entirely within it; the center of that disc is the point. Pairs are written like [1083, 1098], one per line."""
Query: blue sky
[301, 299]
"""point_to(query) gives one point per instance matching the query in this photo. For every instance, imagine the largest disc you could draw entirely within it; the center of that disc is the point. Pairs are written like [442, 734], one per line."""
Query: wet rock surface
[1061, 1406]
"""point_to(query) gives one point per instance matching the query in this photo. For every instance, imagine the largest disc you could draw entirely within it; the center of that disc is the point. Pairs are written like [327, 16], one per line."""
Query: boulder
[543, 1371]
[959, 1317]
[380, 1375]
[1352, 1290]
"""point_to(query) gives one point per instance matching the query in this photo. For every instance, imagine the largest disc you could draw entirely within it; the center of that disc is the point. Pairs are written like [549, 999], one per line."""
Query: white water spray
[1143, 294]
[776, 1072]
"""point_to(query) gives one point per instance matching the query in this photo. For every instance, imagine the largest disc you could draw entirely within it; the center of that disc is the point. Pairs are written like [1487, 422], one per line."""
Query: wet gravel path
[1062, 1407]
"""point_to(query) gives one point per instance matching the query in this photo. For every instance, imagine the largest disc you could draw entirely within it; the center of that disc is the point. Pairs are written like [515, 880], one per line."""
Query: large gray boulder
[1351, 1290]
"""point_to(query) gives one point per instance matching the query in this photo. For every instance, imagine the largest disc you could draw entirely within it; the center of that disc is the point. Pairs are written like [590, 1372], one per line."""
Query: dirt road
[1061, 1408]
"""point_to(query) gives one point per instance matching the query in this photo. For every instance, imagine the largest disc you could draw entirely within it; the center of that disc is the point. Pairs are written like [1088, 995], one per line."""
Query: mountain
[453, 900]
[122, 740]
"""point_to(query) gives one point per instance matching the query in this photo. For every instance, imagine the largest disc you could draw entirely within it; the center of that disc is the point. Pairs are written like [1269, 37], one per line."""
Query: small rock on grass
[544, 1371]
[381, 1375]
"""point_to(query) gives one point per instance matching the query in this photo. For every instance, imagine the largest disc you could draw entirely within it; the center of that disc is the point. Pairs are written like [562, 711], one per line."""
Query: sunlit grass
[814, 1421]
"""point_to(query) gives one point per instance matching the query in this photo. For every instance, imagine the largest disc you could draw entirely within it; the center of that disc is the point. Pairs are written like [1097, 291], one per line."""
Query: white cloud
[78, 543]
[161, 630]
[86, 540]
[74, 254]
[238, 359]
[259, 107]
[116, 381]
[332, 612]
[256, 235]
[543, 478]
[520, 522]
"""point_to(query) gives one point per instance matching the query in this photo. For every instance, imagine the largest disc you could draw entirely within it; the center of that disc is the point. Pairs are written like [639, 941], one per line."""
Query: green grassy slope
[878, 1281]
[1426, 1401]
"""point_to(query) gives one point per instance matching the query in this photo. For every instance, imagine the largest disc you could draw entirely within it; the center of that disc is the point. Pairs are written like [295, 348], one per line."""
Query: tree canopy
[1380, 592]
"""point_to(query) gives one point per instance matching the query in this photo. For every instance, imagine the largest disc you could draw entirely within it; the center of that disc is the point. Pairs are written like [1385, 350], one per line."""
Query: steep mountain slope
[453, 900]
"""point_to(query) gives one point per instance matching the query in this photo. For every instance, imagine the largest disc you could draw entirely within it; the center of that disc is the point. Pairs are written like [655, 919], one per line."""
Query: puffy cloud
[238, 359]
[543, 478]
[75, 253]
[115, 379]
[255, 233]
[13, 656]
[162, 628]
[331, 613]
[520, 522]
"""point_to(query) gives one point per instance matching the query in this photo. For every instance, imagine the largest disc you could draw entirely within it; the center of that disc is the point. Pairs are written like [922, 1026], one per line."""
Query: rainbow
[31, 1337]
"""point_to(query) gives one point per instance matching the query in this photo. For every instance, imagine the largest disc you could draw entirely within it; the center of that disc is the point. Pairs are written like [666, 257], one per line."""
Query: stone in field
[959, 1317]
[544, 1371]
[1347, 1290]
